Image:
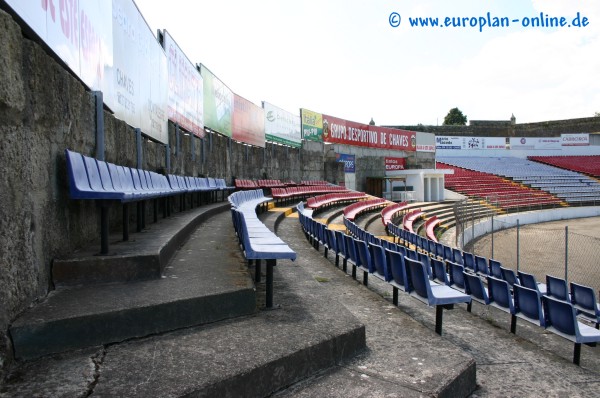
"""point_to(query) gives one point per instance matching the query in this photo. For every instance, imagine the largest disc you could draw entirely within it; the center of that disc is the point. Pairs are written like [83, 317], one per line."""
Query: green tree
[597, 114]
[455, 117]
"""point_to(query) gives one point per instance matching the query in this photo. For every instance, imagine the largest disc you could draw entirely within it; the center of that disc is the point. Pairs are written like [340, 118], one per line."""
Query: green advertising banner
[218, 103]
[312, 125]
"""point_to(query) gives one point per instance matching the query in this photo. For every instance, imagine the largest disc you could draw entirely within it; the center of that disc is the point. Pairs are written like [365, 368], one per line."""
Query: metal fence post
[518, 242]
[566, 252]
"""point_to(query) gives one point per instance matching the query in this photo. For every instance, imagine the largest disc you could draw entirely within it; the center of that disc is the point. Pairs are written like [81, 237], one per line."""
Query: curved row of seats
[405, 265]
[320, 201]
[301, 192]
[93, 179]
[353, 210]
[257, 242]
[389, 212]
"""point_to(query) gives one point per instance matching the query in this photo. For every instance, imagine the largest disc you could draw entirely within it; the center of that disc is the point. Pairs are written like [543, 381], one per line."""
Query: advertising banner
[465, 143]
[394, 163]
[186, 89]
[138, 92]
[281, 126]
[535, 143]
[79, 32]
[425, 142]
[339, 131]
[312, 125]
[218, 103]
[575, 139]
[348, 160]
[248, 122]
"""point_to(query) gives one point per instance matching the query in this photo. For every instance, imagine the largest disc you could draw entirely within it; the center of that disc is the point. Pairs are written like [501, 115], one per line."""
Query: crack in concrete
[98, 360]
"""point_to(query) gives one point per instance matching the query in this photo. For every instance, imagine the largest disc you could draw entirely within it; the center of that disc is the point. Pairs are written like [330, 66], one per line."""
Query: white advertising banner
[139, 78]
[575, 139]
[535, 143]
[462, 143]
[186, 90]
[79, 32]
[281, 126]
[425, 142]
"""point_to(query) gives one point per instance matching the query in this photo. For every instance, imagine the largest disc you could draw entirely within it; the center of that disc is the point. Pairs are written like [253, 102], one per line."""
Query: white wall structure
[428, 184]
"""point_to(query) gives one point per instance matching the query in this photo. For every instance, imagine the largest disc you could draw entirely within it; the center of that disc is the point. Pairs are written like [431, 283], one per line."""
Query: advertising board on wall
[535, 143]
[394, 163]
[425, 142]
[218, 103]
[248, 122]
[339, 131]
[582, 139]
[281, 126]
[465, 143]
[312, 125]
[186, 89]
[348, 160]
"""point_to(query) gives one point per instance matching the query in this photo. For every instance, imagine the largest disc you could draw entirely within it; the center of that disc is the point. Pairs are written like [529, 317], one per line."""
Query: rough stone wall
[553, 128]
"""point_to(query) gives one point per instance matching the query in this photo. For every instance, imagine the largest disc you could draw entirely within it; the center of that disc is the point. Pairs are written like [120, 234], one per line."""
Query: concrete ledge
[143, 257]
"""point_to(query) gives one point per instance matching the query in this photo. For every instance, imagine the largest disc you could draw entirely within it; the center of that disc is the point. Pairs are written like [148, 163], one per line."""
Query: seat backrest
[585, 298]
[426, 260]
[495, 266]
[509, 276]
[557, 288]
[474, 287]
[560, 315]
[438, 271]
[448, 254]
[396, 262]
[412, 254]
[529, 303]
[528, 280]
[499, 293]
[469, 261]
[330, 239]
[418, 280]
[456, 274]
[105, 178]
[362, 249]
[481, 265]
[457, 256]
[340, 241]
[93, 173]
[351, 250]
[78, 179]
[379, 261]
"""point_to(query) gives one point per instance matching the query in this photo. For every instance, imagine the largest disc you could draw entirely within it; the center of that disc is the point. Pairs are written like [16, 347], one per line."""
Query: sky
[343, 58]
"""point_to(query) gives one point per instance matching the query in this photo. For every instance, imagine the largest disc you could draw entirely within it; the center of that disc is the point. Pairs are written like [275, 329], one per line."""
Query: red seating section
[582, 164]
[410, 218]
[389, 212]
[351, 211]
[329, 198]
[504, 193]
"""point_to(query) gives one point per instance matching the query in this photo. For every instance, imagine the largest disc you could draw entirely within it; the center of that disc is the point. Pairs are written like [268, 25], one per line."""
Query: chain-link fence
[542, 249]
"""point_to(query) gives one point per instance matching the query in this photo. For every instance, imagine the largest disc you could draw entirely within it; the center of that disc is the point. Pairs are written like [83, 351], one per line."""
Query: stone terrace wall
[553, 128]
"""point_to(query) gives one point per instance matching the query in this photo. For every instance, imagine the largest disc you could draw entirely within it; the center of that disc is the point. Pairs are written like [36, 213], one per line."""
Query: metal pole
[518, 242]
[566, 252]
[492, 235]
[99, 125]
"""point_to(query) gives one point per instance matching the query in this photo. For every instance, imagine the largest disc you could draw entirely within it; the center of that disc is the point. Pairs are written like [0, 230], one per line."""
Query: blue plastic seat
[560, 317]
[482, 266]
[509, 276]
[475, 288]
[352, 255]
[583, 299]
[557, 288]
[438, 272]
[426, 260]
[456, 278]
[528, 305]
[364, 259]
[340, 241]
[469, 262]
[330, 242]
[381, 269]
[439, 296]
[501, 298]
[457, 256]
[395, 261]
[495, 266]
[529, 281]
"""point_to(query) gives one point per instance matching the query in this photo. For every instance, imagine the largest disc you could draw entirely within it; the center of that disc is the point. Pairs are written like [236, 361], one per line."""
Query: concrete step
[250, 356]
[205, 281]
[143, 257]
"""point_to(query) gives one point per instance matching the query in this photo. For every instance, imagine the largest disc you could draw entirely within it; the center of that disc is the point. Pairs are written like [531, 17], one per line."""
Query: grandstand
[583, 164]
[569, 186]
